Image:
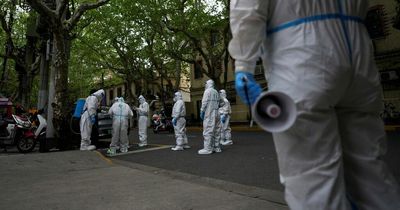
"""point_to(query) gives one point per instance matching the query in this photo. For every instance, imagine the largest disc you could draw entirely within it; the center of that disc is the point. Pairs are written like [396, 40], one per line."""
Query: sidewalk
[87, 180]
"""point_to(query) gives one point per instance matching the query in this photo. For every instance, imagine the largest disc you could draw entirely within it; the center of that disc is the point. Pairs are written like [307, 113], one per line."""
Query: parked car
[101, 129]
[104, 125]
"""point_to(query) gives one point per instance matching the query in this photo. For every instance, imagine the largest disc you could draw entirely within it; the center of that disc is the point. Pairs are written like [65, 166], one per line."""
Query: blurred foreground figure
[319, 53]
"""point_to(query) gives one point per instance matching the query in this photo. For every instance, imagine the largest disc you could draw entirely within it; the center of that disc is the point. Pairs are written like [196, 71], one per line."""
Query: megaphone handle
[246, 92]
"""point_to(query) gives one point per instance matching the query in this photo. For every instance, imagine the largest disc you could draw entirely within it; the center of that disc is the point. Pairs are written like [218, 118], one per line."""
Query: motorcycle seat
[5, 121]
[2, 123]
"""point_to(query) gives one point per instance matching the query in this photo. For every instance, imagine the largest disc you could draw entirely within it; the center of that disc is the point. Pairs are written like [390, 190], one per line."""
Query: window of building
[119, 92]
[111, 94]
[259, 68]
[169, 88]
[377, 22]
[198, 66]
[198, 107]
[214, 39]
[231, 92]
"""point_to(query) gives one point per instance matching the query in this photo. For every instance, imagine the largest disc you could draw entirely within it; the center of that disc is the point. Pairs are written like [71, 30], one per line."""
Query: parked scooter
[161, 123]
[40, 125]
[17, 131]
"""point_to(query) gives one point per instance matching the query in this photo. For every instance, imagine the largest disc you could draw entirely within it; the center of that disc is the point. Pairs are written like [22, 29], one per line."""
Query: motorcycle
[160, 123]
[17, 131]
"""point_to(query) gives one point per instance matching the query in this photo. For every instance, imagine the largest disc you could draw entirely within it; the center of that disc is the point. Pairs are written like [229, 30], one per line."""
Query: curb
[234, 128]
[258, 129]
[275, 197]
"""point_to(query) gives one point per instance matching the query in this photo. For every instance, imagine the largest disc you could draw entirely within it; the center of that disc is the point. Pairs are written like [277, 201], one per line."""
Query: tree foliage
[18, 51]
[144, 40]
[138, 42]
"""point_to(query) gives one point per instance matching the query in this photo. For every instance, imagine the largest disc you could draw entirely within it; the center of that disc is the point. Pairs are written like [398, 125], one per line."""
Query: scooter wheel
[25, 145]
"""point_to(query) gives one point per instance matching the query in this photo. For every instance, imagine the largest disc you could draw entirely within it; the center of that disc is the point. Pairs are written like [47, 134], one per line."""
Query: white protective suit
[225, 112]
[120, 113]
[211, 122]
[178, 115]
[143, 112]
[320, 54]
[86, 123]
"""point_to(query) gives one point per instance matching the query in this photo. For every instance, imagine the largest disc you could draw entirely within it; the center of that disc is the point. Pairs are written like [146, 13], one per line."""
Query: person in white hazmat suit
[211, 122]
[225, 116]
[142, 111]
[88, 119]
[319, 53]
[179, 123]
[120, 113]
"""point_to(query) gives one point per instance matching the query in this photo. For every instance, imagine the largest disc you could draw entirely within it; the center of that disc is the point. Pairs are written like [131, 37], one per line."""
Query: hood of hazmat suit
[222, 93]
[209, 84]
[115, 100]
[99, 94]
[141, 99]
[178, 96]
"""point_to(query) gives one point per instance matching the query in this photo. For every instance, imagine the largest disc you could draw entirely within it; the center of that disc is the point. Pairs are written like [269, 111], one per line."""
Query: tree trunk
[226, 63]
[25, 76]
[29, 58]
[22, 75]
[60, 105]
[217, 83]
[44, 78]
[3, 73]
[178, 75]
[130, 98]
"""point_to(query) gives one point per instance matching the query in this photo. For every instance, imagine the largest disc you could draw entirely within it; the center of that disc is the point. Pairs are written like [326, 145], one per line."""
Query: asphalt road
[250, 161]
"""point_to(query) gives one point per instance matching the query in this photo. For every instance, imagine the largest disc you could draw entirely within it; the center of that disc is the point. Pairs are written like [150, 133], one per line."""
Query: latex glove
[253, 88]
[174, 121]
[202, 115]
[223, 118]
[93, 119]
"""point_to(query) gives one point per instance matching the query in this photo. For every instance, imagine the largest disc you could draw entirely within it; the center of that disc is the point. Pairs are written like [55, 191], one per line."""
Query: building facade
[384, 27]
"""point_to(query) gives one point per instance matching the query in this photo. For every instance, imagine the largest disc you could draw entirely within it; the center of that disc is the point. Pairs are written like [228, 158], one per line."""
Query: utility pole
[47, 74]
[44, 75]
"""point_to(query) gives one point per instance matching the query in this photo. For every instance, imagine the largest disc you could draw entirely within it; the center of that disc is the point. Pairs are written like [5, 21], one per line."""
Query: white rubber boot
[177, 148]
[228, 142]
[204, 152]
[87, 147]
